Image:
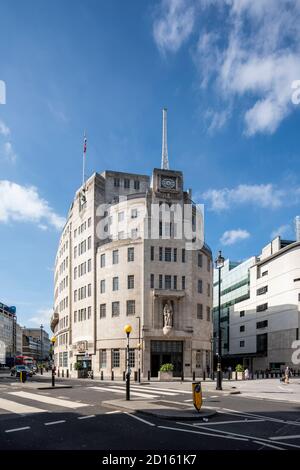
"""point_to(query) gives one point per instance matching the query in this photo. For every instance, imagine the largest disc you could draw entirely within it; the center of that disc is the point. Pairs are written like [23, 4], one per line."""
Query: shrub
[78, 366]
[239, 368]
[166, 368]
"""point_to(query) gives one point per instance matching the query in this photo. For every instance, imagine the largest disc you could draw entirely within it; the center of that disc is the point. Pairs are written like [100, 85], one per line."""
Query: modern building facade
[265, 324]
[125, 257]
[10, 344]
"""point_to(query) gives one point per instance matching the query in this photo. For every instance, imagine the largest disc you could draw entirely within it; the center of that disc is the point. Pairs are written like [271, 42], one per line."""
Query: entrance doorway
[166, 352]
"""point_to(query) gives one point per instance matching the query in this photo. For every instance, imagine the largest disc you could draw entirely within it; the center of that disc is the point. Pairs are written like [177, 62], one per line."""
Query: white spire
[164, 150]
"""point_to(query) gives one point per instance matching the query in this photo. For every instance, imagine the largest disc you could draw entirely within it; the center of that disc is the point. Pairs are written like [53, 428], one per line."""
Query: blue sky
[225, 71]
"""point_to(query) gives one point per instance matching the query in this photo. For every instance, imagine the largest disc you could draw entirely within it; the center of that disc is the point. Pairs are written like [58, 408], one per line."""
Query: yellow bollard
[197, 395]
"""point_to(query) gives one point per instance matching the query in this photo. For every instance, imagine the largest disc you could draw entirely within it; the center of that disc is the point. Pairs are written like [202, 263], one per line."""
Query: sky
[227, 70]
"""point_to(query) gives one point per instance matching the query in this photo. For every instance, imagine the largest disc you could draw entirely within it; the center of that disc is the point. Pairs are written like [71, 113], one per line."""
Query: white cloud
[232, 236]
[251, 50]
[281, 231]
[42, 317]
[262, 195]
[21, 203]
[4, 130]
[174, 24]
[9, 152]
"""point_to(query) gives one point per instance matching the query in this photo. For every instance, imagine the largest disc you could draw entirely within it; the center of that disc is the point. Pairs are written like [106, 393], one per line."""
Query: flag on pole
[84, 144]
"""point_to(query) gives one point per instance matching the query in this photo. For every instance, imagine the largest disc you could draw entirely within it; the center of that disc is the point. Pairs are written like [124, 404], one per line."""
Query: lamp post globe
[219, 263]
[128, 330]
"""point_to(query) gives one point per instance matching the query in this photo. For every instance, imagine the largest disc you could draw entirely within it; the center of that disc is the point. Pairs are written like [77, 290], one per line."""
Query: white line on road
[139, 419]
[203, 433]
[231, 422]
[278, 438]
[189, 400]
[112, 412]
[18, 429]
[87, 417]
[50, 400]
[269, 445]
[19, 408]
[50, 423]
[158, 392]
[120, 390]
[153, 389]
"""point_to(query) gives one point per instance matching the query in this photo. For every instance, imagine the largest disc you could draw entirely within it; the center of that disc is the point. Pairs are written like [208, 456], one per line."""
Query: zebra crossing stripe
[120, 389]
[18, 408]
[158, 392]
[49, 400]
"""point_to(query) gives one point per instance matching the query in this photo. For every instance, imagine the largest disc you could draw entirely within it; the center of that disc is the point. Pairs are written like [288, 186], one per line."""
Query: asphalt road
[74, 419]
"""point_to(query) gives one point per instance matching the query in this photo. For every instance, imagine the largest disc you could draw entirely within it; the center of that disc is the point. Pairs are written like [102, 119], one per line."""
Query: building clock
[168, 183]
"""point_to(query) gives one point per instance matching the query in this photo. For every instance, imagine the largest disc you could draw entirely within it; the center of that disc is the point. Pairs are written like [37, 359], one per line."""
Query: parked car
[15, 371]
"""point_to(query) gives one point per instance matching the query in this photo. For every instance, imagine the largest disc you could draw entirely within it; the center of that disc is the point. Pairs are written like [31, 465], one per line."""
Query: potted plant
[239, 372]
[78, 366]
[166, 372]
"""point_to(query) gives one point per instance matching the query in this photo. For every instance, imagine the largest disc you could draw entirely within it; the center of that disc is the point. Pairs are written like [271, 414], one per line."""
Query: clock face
[168, 183]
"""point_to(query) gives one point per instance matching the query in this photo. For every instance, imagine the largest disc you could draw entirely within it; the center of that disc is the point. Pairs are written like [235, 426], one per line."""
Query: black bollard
[112, 375]
[63, 373]
[124, 373]
[57, 372]
[53, 377]
[149, 375]
[135, 376]
[204, 375]
[182, 376]
[101, 375]
[194, 376]
[68, 375]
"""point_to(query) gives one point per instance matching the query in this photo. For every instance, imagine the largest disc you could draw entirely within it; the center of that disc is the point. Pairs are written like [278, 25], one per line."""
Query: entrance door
[166, 352]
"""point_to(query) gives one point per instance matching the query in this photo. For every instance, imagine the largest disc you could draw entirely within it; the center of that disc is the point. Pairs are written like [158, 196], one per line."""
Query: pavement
[92, 415]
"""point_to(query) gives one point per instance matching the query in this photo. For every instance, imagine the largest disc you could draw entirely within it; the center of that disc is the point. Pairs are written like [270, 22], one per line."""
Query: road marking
[158, 392]
[50, 400]
[269, 445]
[63, 397]
[190, 399]
[120, 390]
[252, 415]
[18, 429]
[203, 433]
[139, 419]
[19, 408]
[112, 412]
[50, 423]
[231, 422]
[278, 438]
[153, 389]
[86, 417]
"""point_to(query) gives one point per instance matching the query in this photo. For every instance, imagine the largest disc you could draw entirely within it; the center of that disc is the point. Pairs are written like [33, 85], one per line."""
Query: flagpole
[83, 161]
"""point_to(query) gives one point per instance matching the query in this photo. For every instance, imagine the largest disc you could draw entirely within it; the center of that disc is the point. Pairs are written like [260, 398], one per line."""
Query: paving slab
[161, 409]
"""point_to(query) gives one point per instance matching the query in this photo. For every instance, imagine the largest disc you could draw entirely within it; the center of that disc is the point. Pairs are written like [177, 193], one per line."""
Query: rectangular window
[89, 265]
[200, 258]
[242, 328]
[126, 183]
[115, 309]
[152, 253]
[242, 344]
[168, 254]
[262, 324]
[208, 264]
[183, 282]
[175, 282]
[103, 359]
[120, 216]
[134, 213]
[130, 282]
[208, 290]
[175, 255]
[130, 307]
[75, 233]
[160, 253]
[75, 316]
[75, 273]
[75, 295]
[102, 310]
[160, 281]
[102, 286]
[151, 281]
[131, 358]
[183, 255]
[89, 221]
[115, 257]
[208, 313]
[199, 286]
[200, 311]
[160, 229]
[89, 312]
[102, 260]
[115, 358]
[89, 290]
[115, 283]
[168, 282]
[262, 290]
[116, 182]
[262, 343]
[265, 273]
[130, 254]
[75, 251]
[242, 313]
[262, 307]
[136, 184]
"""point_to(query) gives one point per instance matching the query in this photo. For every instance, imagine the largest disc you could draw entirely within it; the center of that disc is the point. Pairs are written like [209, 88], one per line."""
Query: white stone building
[111, 270]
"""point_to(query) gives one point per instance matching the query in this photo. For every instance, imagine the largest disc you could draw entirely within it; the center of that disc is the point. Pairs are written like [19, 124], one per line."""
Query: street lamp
[219, 265]
[128, 329]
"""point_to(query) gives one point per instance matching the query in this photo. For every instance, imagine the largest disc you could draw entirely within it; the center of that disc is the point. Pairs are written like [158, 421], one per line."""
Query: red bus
[24, 360]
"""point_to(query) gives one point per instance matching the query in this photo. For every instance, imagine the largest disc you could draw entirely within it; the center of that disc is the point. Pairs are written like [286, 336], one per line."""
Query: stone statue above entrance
[168, 318]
